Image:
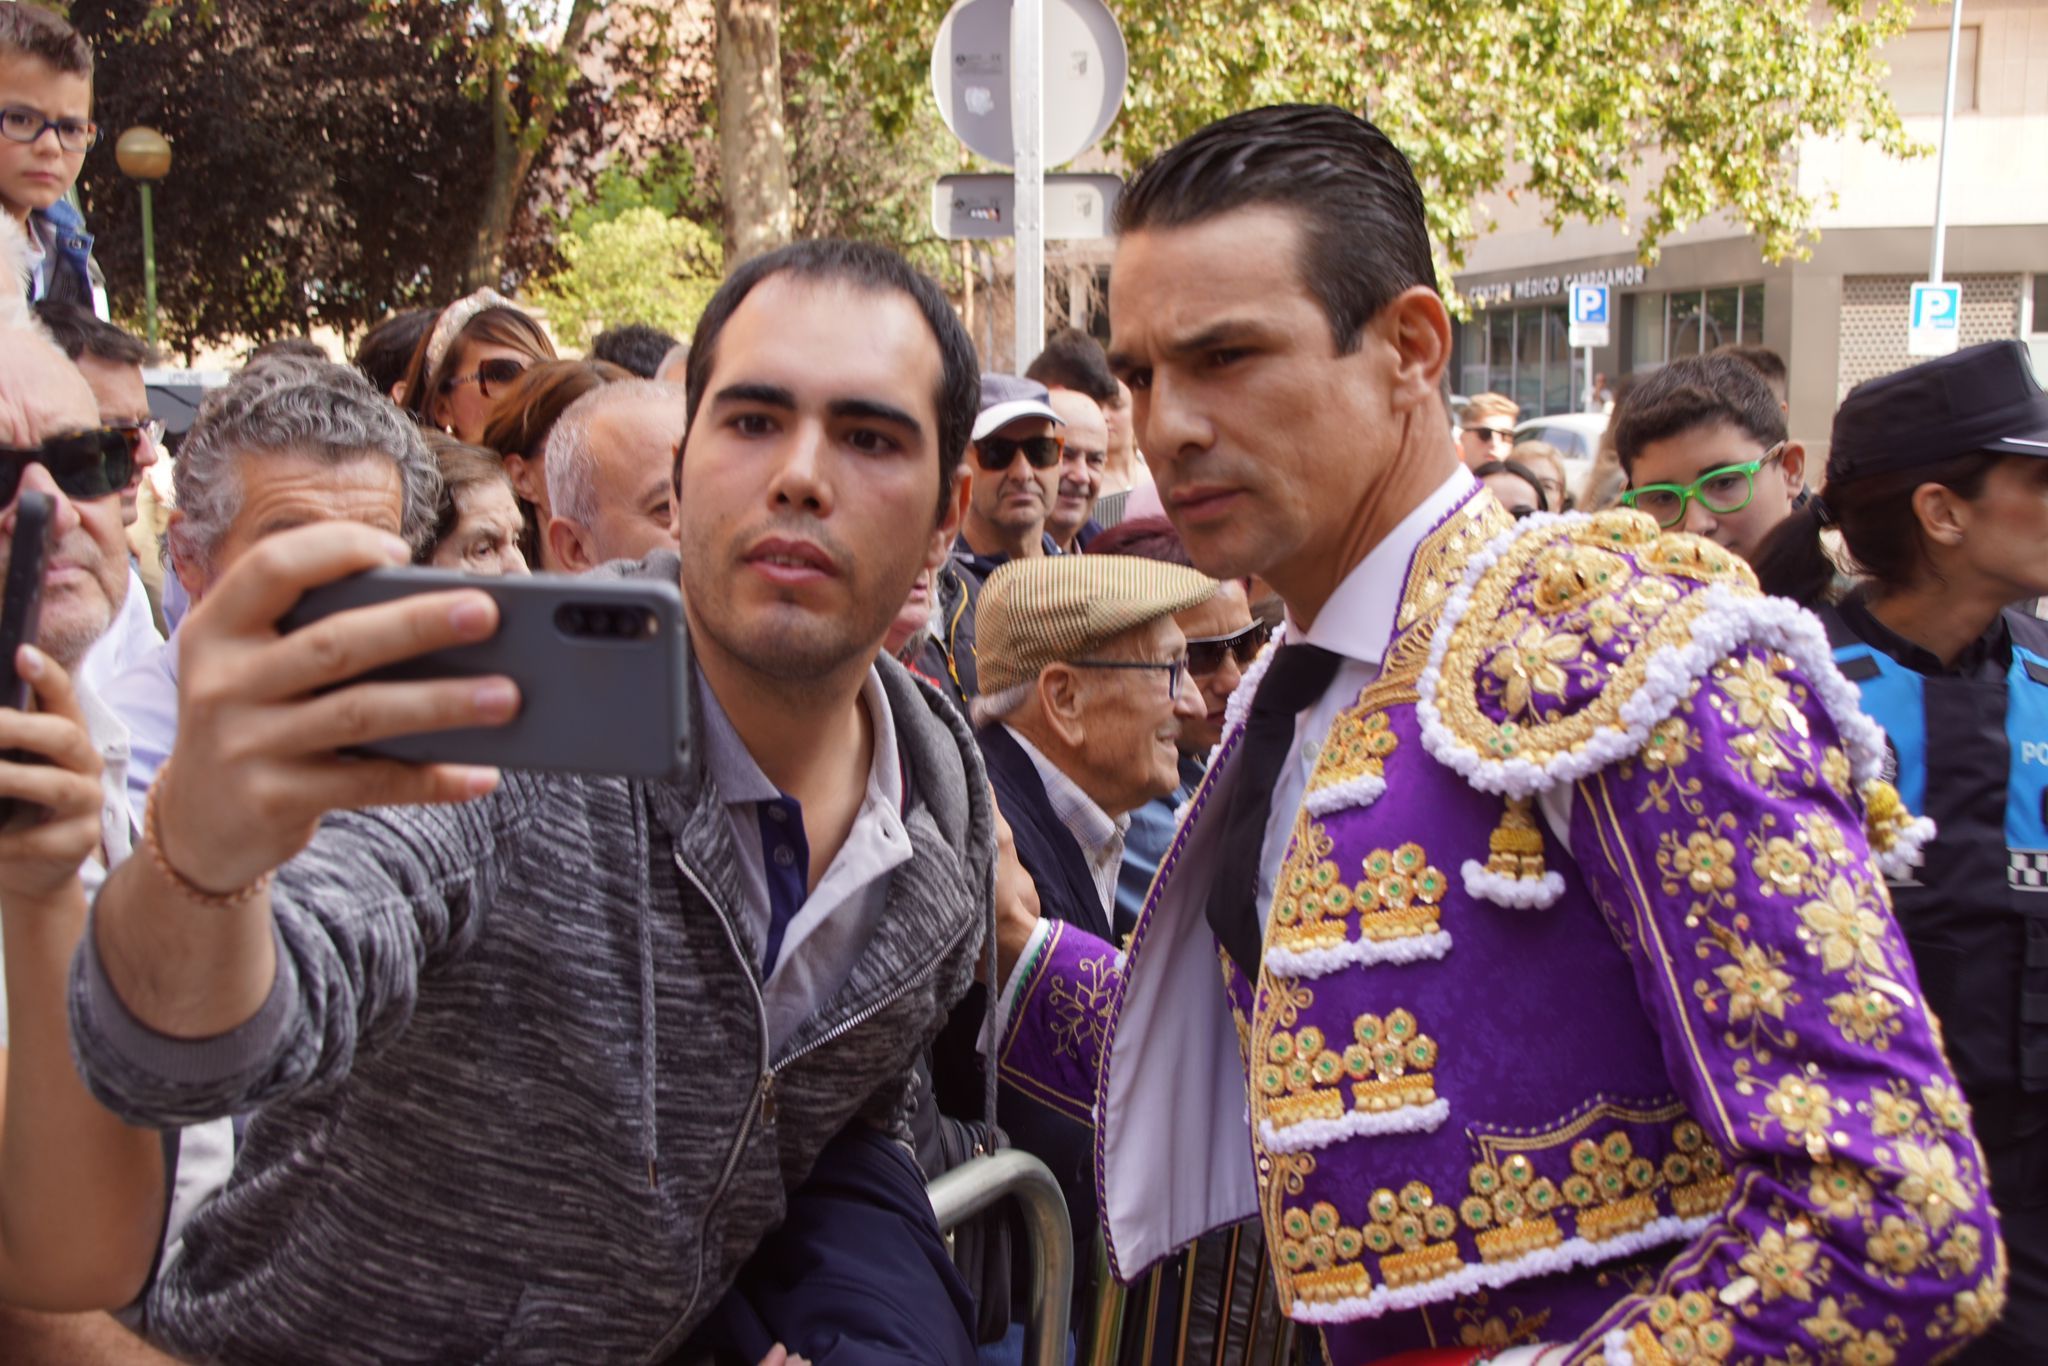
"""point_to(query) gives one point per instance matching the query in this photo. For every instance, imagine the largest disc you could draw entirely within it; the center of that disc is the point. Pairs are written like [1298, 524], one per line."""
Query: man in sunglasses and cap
[1015, 473]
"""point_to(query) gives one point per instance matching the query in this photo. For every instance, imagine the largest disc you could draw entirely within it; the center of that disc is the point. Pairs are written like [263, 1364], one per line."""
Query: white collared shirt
[833, 927]
[1358, 623]
[129, 637]
[1100, 836]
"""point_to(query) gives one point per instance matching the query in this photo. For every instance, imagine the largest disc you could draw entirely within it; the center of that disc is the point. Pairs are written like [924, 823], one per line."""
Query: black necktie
[1298, 676]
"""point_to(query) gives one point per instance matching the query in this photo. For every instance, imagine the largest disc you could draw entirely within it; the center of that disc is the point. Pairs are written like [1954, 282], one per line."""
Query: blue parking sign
[1934, 327]
[1589, 305]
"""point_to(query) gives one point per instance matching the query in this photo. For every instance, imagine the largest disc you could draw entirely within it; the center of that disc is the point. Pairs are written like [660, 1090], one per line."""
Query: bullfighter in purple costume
[1577, 1027]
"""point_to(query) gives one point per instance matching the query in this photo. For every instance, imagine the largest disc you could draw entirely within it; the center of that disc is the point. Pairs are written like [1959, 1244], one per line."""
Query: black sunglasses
[1205, 653]
[996, 452]
[83, 465]
[490, 374]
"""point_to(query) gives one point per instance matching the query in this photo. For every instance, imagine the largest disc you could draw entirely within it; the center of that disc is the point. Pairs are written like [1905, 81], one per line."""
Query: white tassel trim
[1321, 1133]
[1417, 948]
[1616, 1349]
[1239, 708]
[1727, 621]
[1908, 851]
[1549, 1261]
[1516, 893]
[1352, 794]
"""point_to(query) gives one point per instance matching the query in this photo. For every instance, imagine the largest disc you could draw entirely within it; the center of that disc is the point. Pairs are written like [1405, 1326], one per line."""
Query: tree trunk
[753, 160]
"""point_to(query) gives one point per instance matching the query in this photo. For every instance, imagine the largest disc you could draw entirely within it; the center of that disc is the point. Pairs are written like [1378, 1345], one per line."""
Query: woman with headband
[1938, 482]
[476, 348]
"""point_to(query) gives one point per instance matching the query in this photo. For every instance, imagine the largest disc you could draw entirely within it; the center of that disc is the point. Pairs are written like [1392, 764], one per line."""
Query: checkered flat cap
[1041, 611]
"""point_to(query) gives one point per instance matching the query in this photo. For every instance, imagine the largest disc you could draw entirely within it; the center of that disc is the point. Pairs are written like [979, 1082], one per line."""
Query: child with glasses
[1703, 446]
[46, 128]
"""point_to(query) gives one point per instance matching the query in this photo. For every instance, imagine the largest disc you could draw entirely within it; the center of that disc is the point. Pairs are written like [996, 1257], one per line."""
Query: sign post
[1935, 328]
[1027, 84]
[1589, 328]
[1027, 114]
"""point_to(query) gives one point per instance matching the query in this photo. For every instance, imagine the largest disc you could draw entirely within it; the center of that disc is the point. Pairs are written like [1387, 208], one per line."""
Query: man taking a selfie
[536, 1061]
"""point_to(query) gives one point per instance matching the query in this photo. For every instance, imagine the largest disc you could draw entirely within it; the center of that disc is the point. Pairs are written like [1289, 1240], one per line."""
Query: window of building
[1919, 62]
[1523, 353]
[1666, 327]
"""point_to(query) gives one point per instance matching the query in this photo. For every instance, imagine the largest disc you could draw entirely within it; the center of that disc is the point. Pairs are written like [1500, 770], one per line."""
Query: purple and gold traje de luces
[1582, 1015]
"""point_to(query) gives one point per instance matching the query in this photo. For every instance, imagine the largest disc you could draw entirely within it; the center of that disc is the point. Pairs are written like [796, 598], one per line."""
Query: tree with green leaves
[1570, 101]
[642, 266]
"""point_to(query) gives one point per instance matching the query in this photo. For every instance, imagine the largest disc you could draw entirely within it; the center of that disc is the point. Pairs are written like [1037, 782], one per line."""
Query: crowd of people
[1535, 916]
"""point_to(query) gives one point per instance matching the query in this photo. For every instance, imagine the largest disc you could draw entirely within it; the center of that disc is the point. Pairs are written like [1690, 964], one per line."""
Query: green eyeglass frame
[1721, 491]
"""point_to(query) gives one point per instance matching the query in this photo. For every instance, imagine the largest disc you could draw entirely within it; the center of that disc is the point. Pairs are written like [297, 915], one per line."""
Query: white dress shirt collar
[1358, 620]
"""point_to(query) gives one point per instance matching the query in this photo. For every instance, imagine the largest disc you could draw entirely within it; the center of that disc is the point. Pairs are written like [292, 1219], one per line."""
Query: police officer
[1938, 481]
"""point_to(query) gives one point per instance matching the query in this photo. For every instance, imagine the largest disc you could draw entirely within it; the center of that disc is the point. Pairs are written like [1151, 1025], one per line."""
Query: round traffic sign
[1086, 67]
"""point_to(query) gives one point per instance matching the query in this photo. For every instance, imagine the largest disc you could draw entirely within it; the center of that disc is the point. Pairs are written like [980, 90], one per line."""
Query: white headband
[454, 318]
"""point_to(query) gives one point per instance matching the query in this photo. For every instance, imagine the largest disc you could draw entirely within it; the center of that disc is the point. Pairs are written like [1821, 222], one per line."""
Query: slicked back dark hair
[636, 346]
[31, 31]
[1074, 360]
[1364, 238]
[867, 267]
[1698, 391]
[82, 333]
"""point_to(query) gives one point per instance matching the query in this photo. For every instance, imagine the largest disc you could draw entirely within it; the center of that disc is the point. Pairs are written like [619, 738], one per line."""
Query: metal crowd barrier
[1211, 1306]
[974, 1186]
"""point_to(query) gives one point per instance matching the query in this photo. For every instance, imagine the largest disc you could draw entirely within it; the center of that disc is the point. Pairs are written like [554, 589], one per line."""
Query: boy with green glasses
[46, 128]
[1703, 446]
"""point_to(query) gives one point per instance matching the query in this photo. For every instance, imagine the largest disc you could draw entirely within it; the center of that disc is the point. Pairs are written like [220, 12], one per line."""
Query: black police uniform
[1970, 743]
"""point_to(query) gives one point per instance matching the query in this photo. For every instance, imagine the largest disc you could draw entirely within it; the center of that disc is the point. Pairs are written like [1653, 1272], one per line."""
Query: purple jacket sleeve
[1051, 1045]
[1731, 862]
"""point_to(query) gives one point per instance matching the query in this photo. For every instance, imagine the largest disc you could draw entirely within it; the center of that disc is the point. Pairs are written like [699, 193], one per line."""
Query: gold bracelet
[152, 841]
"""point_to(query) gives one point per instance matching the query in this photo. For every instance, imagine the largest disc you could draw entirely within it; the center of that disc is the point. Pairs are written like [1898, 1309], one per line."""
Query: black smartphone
[599, 664]
[21, 612]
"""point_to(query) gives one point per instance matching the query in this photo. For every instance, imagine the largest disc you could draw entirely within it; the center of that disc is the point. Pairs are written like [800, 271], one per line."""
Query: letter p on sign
[1934, 328]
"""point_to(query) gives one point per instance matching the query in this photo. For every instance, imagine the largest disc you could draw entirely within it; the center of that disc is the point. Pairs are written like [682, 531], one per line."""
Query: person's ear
[566, 545]
[526, 480]
[948, 529]
[1061, 701]
[1417, 327]
[185, 556]
[1793, 461]
[1944, 516]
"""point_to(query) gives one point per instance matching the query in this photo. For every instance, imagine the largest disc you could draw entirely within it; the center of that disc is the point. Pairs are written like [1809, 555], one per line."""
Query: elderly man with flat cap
[1084, 689]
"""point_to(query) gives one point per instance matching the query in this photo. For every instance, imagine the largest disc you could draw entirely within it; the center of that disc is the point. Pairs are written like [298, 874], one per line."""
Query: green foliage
[668, 185]
[640, 266]
[1567, 100]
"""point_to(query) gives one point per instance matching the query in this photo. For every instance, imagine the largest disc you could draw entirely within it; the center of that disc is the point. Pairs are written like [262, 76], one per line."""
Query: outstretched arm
[81, 1194]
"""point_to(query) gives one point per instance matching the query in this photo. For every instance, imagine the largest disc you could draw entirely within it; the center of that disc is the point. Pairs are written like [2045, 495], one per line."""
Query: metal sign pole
[1591, 403]
[1948, 113]
[1027, 104]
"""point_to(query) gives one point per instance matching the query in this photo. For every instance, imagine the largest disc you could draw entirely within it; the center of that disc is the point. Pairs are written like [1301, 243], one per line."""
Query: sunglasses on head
[997, 452]
[491, 374]
[83, 465]
[1205, 653]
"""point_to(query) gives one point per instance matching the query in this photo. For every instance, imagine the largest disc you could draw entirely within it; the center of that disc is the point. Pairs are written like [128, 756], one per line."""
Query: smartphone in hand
[598, 662]
[21, 612]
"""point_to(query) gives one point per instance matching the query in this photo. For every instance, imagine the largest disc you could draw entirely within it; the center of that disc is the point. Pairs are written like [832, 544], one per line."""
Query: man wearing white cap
[1015, 472]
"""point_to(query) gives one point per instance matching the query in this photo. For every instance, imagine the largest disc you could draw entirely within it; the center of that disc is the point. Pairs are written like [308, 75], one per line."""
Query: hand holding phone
[269, 722]
[53, 772]
[21, 612]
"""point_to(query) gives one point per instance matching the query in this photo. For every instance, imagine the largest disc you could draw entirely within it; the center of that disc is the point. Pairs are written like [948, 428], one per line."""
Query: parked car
[1576, 435]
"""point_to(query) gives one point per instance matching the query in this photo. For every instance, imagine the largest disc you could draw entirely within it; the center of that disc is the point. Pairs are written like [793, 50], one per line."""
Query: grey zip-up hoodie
[516, 1097]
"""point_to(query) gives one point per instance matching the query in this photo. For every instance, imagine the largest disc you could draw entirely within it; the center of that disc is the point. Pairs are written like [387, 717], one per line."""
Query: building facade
[1839, 316]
